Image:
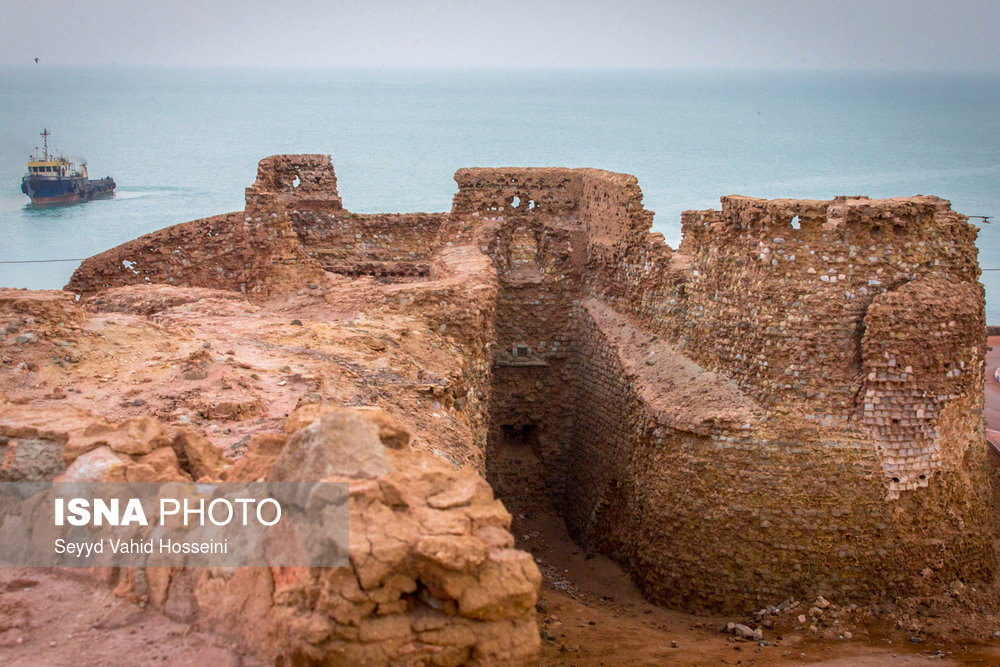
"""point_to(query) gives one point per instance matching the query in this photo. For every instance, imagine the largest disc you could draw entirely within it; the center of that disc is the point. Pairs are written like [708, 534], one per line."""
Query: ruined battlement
[779, 290]
[303, 181]
[907, 233]
[608, 204]
[494, 192]
[843, 212]
[788, 404]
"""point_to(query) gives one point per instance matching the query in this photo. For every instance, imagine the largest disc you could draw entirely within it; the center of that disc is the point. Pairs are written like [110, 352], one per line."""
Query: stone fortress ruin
[787, 405]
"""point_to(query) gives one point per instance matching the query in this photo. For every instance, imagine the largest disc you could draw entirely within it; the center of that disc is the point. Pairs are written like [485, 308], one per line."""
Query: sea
[184, 143]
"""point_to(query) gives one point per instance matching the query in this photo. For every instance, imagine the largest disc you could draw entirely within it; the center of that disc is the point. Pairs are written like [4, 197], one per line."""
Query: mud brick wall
[492, 193]
[388, 244]
[294, 181]
[631, 268]
[254, 251]
[524, 219]
[605, 412]
[304, 187]
[778, 289]
[202, 253]
[768, 298]
[924, 353]
[772, 293]
[234, 251]
[713, 517]
[540, 275]
[617, 223]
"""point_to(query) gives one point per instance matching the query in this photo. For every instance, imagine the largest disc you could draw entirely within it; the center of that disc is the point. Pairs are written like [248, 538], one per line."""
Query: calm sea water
[182, 144]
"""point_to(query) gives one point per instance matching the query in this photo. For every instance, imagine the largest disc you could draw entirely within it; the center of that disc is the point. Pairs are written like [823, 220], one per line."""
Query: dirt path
[592, 614]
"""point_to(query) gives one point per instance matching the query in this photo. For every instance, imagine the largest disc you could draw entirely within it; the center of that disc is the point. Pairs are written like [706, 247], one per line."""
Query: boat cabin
[48, 167]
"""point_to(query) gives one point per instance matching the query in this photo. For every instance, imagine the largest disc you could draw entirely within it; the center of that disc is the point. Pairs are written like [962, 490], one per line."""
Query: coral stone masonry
[788, 405]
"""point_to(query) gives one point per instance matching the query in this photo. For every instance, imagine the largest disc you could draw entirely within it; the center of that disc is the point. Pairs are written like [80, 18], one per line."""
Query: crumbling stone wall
[787, 405]
[202, 253]
[385, 245]
[923, 363]
[490, 194]
[294, 181]
[294, 225]
[252, 254]
[525, 223]
[767, 299]
[685, 480]
[779, 289]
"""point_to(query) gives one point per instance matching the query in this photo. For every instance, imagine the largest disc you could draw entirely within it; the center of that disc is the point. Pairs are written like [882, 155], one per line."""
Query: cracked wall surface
[789, 404]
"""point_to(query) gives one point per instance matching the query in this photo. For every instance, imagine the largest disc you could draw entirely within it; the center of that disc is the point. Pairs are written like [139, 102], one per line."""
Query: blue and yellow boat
[53, 179]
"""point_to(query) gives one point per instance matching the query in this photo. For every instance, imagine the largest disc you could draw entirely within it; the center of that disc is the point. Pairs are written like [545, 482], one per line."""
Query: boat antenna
[45, 136]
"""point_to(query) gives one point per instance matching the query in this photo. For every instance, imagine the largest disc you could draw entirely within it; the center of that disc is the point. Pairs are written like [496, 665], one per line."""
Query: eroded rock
[30, 459]
[340, 443]
[433, 577]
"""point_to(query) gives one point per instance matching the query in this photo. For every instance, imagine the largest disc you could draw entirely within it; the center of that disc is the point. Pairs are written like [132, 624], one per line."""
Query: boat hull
[48, 191]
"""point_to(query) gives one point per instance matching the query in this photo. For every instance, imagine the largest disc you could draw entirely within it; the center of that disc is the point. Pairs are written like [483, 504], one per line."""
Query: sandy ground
[50, 617]
[595, 616]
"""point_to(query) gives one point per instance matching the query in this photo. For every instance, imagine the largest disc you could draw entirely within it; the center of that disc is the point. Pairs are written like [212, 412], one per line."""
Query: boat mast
[45, 137]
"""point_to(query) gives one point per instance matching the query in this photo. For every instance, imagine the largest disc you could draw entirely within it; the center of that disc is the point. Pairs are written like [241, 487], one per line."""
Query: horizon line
[496, 68]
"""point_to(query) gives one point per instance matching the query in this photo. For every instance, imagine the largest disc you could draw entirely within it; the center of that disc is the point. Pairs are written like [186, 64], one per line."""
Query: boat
[52, 179]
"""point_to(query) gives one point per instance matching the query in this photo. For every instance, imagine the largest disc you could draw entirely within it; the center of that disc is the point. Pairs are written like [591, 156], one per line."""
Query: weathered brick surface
[294, 181]
[785, 305]
[789, 404]
[715, 515]
[769, 298]
[924, 359]
[389, 245]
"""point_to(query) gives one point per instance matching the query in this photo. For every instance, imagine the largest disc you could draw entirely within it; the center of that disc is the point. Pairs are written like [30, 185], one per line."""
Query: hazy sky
[842, 34]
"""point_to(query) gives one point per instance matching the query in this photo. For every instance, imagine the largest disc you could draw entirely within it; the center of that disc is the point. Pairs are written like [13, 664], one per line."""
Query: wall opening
[515, 468]
[520, 435]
